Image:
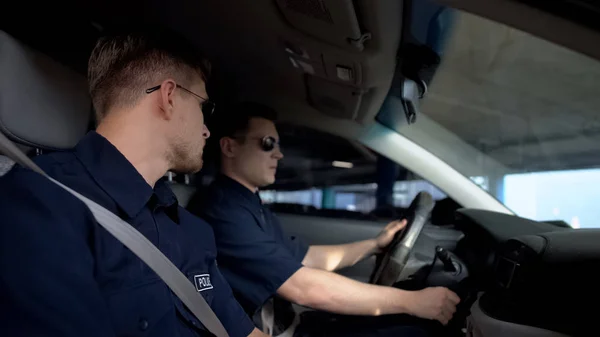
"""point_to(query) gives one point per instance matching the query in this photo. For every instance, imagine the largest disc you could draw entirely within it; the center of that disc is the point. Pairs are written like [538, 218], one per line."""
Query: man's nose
[277, 154]
[205, 132]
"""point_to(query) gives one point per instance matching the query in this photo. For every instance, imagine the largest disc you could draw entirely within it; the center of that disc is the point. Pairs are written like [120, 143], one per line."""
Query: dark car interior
[329, 66]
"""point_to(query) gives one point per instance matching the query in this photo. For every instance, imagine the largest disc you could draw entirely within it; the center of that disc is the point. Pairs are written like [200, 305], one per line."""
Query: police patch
[202, 282]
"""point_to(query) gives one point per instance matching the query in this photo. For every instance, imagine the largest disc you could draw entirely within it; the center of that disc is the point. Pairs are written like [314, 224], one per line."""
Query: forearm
[257, 333]
[336, 257]
[331, 292]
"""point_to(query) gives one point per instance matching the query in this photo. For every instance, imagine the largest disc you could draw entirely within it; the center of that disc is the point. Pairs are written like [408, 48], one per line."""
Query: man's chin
[269, 181]
[195, 170]
[198, 167]
[189, 168]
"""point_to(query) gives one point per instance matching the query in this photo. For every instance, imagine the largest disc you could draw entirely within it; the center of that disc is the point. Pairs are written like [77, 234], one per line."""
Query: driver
[260, 262]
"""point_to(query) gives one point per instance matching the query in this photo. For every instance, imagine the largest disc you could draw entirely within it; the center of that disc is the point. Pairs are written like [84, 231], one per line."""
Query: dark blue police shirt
[61, 274]
[254, 255]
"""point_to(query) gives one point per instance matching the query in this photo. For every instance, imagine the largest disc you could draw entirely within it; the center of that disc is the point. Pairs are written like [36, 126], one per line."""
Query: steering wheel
[390, 264]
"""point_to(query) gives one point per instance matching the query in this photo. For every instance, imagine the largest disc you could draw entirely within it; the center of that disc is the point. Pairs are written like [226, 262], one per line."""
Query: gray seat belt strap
[138, 244]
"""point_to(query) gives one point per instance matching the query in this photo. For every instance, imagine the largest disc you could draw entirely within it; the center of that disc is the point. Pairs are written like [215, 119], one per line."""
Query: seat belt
[137, 243]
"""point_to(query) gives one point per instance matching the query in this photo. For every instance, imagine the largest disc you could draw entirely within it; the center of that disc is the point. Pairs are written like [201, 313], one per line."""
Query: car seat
[43, 104]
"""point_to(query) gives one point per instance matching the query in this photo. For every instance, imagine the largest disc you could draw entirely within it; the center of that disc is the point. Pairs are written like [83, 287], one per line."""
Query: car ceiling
[247, 40]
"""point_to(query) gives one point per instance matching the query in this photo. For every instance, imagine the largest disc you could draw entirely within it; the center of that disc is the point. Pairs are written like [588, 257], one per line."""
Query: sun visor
[334, 99]
[333, 21]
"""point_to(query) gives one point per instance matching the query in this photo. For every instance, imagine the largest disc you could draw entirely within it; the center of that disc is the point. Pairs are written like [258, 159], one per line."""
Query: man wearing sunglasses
[264, 267]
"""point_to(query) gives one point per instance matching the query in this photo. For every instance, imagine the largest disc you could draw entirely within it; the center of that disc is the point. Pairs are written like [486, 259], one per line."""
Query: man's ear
[228, 146]
[167, 98]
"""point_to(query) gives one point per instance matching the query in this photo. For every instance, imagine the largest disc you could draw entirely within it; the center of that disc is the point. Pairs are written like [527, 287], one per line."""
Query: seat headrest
[43, 104]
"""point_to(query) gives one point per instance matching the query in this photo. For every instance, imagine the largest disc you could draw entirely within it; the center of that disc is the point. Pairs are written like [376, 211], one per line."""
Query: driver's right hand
[436, 303]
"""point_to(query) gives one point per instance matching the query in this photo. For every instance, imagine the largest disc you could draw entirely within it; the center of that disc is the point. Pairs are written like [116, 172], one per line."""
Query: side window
[325, 175]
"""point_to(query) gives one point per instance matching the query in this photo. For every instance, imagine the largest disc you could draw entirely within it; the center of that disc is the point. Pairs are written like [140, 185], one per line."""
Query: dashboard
[520, 271]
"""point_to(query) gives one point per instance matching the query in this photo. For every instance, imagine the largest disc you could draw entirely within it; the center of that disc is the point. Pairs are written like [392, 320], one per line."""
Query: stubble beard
[186, 159]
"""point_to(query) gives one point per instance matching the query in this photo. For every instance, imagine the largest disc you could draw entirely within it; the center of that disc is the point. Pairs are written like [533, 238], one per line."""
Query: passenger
[61, 274]
[259, 261]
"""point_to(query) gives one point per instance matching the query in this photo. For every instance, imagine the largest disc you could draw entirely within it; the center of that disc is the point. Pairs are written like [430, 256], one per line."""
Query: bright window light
[570, 196]
[342, 164]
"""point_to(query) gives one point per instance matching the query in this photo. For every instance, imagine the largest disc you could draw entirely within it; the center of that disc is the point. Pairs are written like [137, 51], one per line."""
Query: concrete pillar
[328, 198]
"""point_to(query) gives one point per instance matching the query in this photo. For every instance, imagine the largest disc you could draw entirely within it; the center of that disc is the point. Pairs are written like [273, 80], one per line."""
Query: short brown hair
[123, 65]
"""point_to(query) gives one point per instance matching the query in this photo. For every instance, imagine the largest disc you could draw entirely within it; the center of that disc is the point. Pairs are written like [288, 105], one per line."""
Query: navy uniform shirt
[255, 256]
[61, 274]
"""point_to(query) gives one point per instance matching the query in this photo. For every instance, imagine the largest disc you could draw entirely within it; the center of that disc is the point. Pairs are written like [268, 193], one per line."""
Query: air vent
[314, 8]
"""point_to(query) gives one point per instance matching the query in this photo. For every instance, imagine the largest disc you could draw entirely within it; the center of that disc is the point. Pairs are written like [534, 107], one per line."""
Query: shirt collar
[224, 182]
[117, 176]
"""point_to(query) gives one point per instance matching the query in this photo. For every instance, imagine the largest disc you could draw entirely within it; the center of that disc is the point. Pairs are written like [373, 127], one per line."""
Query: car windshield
[518, 115]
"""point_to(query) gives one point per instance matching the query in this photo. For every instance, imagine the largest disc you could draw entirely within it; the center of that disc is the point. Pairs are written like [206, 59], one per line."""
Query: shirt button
[143, 324]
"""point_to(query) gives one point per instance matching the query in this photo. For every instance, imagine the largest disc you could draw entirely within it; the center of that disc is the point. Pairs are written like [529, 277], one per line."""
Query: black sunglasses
[207, 106]
[267, 143]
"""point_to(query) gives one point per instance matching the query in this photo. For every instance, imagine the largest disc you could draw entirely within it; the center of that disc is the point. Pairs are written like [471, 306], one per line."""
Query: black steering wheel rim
[392, 261]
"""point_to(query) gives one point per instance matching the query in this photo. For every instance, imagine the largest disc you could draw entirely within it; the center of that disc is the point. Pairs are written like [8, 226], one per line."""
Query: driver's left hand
[387, 234]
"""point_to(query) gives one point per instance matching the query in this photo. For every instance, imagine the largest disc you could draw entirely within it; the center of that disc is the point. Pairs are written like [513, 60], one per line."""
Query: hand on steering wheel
[390, 265]
[436, 303]
[385, 237]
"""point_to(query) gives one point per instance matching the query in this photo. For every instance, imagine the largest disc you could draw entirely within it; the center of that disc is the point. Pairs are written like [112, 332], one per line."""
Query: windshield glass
[518, 115]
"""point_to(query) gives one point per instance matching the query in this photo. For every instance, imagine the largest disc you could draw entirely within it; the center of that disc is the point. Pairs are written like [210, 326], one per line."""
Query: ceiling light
[342, 164]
